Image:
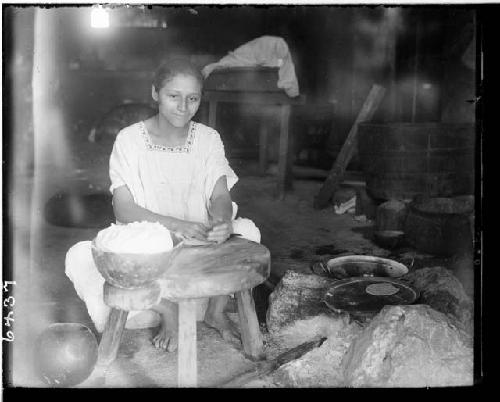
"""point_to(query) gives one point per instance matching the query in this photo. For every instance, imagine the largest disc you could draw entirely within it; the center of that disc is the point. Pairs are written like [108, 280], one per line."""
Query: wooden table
[276, 100]
[235, 266]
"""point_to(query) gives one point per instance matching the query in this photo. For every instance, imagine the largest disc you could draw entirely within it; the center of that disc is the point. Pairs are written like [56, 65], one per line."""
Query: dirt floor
[295, 233]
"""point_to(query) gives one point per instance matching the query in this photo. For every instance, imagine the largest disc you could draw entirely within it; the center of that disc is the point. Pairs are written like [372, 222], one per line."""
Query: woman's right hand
[192, 230]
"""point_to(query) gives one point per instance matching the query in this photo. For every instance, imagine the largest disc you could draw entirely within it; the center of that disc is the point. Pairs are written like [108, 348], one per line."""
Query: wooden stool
[235, 266]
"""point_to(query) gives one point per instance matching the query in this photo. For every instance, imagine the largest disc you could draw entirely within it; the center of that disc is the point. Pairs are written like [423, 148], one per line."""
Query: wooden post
[110, 341]
[263, 137]
[415, 71]
[284, 170]
[212, 113]
[187, 370]
[249, 324]
[393, 16]
[337, 172]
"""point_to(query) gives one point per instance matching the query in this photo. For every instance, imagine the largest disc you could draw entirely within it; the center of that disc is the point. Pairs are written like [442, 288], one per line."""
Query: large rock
[409, 346]
[442, 290]
[403, 346]
[297, 314]
[297, 297]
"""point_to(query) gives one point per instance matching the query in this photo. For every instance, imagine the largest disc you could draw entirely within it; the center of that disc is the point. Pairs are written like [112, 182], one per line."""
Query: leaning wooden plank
[337, 172]
[267, 367]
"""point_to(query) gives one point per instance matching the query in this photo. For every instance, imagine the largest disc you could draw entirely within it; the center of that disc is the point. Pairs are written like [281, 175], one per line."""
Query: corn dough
[135, 238]
[381, 289]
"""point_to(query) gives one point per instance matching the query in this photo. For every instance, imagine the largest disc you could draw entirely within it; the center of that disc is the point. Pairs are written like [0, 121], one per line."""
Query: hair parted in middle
[169, 68]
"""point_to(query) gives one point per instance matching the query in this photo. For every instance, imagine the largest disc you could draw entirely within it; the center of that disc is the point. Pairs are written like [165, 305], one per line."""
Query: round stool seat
[214, 270]
[198, 272]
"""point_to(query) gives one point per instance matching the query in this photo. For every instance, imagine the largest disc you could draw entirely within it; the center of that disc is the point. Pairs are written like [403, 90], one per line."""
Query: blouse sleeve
[123, 168]
[217, 166]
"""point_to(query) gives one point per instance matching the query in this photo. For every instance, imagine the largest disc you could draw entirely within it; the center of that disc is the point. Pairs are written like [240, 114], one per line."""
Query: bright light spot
[427, 86]
[99, 18]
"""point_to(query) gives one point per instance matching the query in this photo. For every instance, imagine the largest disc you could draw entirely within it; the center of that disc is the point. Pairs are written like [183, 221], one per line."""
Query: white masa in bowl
[134, 255]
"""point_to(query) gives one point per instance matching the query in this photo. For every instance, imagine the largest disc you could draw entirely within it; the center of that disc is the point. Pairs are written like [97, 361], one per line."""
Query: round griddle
[365, 296]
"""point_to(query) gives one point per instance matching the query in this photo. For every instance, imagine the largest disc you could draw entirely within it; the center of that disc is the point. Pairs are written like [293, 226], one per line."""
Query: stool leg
[250, 331]
[110, 341]
[187, 370]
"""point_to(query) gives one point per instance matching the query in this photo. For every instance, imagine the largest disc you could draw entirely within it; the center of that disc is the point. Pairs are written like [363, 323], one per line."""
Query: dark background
[424, 56]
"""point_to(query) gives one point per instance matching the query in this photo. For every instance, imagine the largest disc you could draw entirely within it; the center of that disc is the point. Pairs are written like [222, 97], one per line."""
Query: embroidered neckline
[178, 149]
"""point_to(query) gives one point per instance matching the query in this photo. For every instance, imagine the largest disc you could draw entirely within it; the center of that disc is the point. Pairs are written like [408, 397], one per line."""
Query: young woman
[172, 170]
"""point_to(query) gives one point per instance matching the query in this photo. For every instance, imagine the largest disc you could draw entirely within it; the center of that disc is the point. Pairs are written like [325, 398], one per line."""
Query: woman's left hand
[220, 231]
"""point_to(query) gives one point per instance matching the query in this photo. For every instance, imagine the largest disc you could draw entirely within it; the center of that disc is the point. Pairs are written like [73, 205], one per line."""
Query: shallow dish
[364, 265]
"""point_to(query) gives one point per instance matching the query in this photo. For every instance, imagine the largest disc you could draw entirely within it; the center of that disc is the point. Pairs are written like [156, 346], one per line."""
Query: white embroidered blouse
[172, 181]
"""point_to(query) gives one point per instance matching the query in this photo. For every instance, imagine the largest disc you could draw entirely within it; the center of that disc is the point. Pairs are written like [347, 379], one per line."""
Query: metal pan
[368, 295]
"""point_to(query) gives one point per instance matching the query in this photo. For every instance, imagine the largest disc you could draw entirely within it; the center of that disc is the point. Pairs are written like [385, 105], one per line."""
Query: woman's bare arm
[127, 211]
[221, 206]
[221, 212]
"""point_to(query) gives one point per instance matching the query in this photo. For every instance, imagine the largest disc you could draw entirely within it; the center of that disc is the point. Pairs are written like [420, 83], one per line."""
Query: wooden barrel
[402, 160]
[441, 226]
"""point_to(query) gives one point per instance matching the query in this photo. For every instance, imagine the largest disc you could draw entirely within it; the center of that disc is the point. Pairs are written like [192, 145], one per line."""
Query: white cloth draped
[265, 51]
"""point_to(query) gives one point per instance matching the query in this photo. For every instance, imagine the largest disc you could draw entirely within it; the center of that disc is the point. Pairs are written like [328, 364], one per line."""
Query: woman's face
[178, 99]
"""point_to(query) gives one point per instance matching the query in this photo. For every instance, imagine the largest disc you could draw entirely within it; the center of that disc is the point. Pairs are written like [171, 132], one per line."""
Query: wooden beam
[268, 367]
[415, 71]
[337, 172]
[263, 140]
[284, 171]
[253, 97]
[212, 114]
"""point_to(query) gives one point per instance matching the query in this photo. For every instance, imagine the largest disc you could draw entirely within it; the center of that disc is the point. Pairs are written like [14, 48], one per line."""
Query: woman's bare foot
[166, 337]
[217, 319]
[225, 327]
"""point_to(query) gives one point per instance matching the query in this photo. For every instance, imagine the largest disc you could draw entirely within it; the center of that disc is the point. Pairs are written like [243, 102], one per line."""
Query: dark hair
[168, 69]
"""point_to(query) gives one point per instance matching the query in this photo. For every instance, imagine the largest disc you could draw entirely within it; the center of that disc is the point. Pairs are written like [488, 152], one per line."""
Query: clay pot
[441, 226]
[65, 354]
